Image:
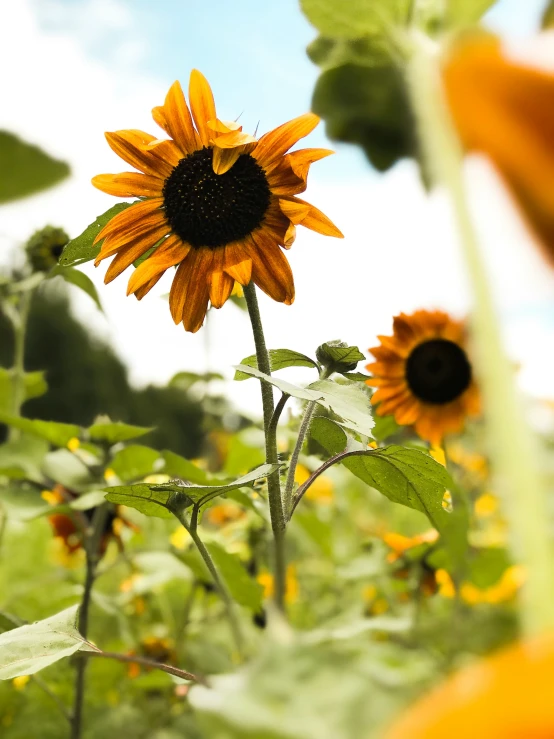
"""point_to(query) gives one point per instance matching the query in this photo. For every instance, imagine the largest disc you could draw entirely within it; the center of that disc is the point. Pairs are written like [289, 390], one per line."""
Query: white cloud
[400, 250]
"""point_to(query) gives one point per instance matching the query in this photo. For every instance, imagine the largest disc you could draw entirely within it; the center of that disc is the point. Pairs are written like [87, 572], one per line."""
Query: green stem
[20, 332]
[278, 522]
[92, 539]
[222, 590]
[513, 446]
[302, 433]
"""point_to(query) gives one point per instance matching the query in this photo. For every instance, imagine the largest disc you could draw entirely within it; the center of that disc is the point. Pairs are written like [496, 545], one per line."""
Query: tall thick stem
[278, 523]
[513, 446]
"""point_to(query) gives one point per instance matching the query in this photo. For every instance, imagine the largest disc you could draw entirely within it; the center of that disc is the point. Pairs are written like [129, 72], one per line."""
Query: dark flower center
[208, 209]
[438, 371]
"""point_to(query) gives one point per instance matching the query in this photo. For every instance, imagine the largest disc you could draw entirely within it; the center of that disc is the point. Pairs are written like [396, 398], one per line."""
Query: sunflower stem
[278, 522]
[513, 446]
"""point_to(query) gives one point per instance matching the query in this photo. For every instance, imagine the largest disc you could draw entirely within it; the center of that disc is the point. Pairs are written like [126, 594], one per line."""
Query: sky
[77, 68]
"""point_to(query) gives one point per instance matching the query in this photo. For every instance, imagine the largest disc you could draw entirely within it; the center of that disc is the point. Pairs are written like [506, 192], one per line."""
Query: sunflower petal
[130, 217]
[127, 256]
[274, 144]
[130, 146]
[198, 292]
[221, 287]
[178, 121]
[171, 252]
[129, 184]
[270, 268]
[304, 214]
[202, 105]
[154, 233]
[179, 286]
[238, 263]
[145, 289]
[166, 150]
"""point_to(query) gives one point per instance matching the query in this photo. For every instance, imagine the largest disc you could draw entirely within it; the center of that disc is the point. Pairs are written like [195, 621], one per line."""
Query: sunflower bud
[45, 247]
[337, 356]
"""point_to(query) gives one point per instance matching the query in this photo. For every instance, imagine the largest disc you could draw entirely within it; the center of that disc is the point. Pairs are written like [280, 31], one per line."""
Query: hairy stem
[513, 446]
[278, 522]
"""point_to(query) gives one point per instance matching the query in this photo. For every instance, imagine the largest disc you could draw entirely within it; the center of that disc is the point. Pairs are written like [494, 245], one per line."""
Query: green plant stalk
[20, 332]
[302, 433]
[222, 590]
[513, 446]
[278, 522]
[93, 540]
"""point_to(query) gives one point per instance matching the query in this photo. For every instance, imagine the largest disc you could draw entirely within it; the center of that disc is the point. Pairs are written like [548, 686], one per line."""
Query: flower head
[505, 110]
[423, 374]
[506, 696]
[215, 202]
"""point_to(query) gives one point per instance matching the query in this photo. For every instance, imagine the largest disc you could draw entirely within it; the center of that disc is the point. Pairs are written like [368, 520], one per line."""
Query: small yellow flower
[503, 591]
[486, 505]
[446, 586]
[109, 474]
[180, 538]
[237, 291]
[224, 513]
[73, 444]
[20, 682]
[266, 580]
[400, 544]
[321, 490]
[51, 497]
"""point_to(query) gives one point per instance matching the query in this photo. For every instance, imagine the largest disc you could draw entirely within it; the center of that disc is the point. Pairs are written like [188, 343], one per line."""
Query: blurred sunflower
[505, 109]
[423, 375]
[506, 696]
[214, 201]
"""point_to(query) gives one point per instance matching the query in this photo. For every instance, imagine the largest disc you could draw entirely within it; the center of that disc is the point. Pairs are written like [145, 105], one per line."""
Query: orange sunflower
[505, 109]
[423, 375]
[214, 202]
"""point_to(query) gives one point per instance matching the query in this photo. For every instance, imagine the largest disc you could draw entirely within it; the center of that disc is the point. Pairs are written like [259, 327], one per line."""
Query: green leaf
[356, 376]
[356, 17]
[80, 280]
[278, 359]
[57, 434]
[466, 12]
[337, 356]
[81, 249]
[30, 648]
[243, 588]
[113, 432]
[349, 401]
[329, 434]
[142, 497]
[22, 501]
[134, 462]
[66, 468]
[34, 386]
[175, 496]
[203, 493]
[25, 169]
[368, 106]
[366, 51]
[186, 380]
[177, 466]
[23, 457]
[385, 426]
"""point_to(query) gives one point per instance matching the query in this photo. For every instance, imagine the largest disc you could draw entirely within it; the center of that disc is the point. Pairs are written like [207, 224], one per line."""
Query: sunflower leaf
[81, 249]
[80, 280]
[278, 359]
[349, 400]
[30, 648]
[25, 169]
[355, 18]
[173, 497]
[134, 462]
[466, 12]
[57, 434]
[112, 432]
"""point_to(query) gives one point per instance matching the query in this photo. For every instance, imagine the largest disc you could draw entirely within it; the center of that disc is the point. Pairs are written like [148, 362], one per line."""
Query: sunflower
[505, 109]
[423, 375]
[214, 202]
